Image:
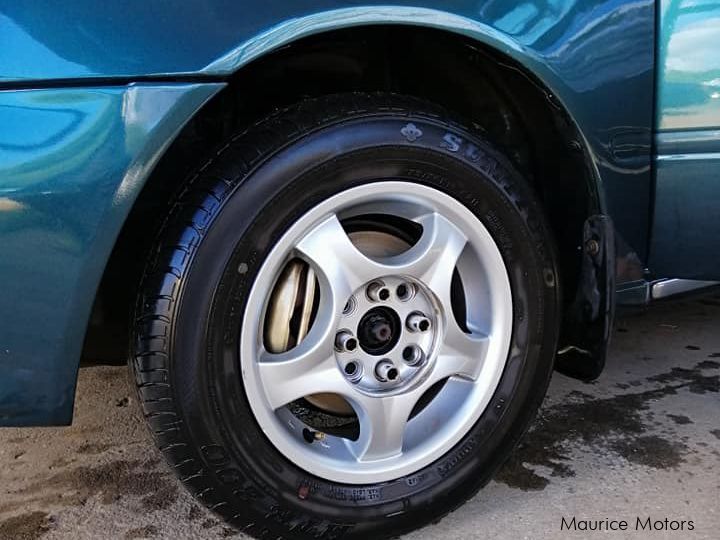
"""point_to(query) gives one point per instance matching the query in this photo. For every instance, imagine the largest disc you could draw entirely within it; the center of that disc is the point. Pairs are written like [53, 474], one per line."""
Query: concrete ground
[643, 441]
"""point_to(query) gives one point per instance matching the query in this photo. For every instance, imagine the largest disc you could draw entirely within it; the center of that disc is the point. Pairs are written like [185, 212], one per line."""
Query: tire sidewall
[206, 370]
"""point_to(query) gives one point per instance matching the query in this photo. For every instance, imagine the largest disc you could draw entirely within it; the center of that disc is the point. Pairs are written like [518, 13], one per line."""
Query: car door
[685, 239]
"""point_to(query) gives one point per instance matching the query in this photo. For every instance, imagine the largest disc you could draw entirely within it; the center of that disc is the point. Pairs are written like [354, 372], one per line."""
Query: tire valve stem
[311, 436]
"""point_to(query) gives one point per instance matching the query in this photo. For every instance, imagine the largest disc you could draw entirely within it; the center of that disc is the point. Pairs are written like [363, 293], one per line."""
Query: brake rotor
[290, 310]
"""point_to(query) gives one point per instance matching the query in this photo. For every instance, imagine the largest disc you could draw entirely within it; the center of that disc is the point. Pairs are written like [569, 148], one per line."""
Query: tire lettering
[452, 142]
[445, 468]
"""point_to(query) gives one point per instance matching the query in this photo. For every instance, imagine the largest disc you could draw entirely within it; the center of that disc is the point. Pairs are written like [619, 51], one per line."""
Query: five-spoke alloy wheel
[381, 329]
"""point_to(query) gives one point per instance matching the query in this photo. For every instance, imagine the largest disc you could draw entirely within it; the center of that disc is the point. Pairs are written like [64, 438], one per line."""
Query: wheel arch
[494, 58]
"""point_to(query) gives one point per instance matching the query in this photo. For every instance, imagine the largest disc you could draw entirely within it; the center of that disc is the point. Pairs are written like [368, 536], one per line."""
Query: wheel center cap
[379, 330]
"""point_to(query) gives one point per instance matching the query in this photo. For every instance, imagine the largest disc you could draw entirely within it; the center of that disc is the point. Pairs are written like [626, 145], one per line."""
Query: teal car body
[92, 95]
[686, 221]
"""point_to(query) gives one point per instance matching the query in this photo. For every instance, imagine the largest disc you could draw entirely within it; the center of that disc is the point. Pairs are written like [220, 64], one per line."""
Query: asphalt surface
[641, 442]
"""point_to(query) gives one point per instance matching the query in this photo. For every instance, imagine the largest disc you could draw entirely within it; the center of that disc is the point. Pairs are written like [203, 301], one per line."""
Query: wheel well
[477, 85]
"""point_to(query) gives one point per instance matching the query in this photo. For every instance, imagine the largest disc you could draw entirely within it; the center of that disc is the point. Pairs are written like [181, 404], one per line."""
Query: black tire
[191, 302]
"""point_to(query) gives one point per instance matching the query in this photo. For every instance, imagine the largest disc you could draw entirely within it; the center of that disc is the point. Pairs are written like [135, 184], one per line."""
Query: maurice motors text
[645, 523]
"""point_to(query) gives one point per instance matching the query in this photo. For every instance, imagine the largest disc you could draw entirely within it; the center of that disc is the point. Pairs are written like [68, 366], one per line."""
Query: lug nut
[353, 370]
[413, 355]
[385, 371]
[345, 341]
[417, 322]
[377, 292]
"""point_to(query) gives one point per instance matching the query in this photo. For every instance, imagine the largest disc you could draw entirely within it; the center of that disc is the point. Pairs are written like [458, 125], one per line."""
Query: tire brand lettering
[452, 142]
[472, 152]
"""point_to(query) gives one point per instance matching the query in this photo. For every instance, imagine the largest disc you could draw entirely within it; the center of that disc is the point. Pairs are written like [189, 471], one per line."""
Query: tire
[198, 320]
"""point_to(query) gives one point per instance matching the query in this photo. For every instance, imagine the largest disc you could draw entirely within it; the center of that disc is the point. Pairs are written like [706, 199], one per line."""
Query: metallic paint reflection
[72, 163]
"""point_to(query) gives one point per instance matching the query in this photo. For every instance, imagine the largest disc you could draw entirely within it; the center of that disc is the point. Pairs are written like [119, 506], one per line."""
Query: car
[344, 245]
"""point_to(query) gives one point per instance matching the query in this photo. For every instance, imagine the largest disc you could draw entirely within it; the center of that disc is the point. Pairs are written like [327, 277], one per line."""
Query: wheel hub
[395, 320]
[379, 330]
